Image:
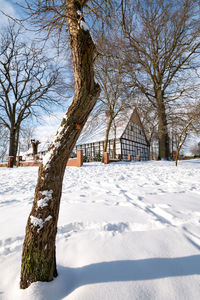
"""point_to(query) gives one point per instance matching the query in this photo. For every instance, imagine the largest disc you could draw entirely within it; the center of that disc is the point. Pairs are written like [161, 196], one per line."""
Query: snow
[95, 131]
[44, 201]
[126, 231]
[39, 222]
[84, 25]
[47, 158]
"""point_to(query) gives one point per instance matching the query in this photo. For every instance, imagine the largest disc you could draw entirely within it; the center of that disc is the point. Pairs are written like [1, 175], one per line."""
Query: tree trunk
[35, 147]
[39, 257]
[106, 137]
[16, 144]
[114, 141]
[12, 144]
[162, 129]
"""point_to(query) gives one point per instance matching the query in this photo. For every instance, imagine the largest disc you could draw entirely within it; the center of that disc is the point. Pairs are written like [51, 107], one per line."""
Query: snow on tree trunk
[39, 254]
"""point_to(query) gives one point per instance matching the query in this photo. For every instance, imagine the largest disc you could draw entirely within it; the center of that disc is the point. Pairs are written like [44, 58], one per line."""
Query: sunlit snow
[126, 231]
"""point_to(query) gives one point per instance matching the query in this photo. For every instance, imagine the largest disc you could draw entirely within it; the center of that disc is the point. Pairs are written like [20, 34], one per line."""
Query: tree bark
[39, 252]
[35, 147]
[162, 128]
[106, 137]
[13, 144]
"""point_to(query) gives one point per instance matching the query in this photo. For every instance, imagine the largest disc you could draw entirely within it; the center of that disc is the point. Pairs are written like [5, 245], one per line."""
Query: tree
[185, 121]
[27, 132]
[148, 117]
[38, 257]
[28, 82]
[162, 53]
[109, 73]
[196, 150]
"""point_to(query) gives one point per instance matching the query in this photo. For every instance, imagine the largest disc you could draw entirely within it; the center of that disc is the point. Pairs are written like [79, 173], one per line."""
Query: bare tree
[196, 150]
[109, 73]
[162, 53]
[28, 82]
[27, 132]
[149, 120]
[186, 121]
[39, 258]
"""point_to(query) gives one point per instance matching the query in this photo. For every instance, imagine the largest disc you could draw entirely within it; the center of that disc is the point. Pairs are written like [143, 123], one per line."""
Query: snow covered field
[126, 231]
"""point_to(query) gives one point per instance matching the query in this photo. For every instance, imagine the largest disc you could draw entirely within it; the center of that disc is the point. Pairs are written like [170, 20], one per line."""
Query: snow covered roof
[43, 146]
[95, 131]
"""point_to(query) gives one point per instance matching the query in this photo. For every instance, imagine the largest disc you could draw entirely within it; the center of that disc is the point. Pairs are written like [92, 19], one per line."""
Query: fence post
[79, 155]
[19, 158]
[106, 158]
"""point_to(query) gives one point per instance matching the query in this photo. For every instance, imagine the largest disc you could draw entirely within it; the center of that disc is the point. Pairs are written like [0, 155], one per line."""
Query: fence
[72, 162]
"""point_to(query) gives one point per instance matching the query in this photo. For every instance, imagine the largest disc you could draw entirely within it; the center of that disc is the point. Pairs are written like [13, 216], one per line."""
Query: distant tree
[109, 73]
[186, 121]
[149, 120]
[28, 82]
[196, 150]
[162, 53]
[26, 134]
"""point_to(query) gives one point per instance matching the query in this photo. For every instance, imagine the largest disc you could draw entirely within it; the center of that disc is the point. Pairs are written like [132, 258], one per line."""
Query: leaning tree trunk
[39, 257]
[162, 130]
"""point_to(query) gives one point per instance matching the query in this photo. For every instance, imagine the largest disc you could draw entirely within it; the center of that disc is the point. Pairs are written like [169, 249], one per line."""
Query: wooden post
[79, 155]
[19, 158]
[129, 157]
[106, 158]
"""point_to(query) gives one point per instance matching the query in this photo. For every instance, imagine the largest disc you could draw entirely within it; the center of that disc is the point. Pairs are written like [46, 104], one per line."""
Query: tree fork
[39, 251]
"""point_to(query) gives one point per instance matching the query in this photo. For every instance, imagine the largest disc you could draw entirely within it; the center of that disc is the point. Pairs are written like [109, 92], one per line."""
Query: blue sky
[49, 123]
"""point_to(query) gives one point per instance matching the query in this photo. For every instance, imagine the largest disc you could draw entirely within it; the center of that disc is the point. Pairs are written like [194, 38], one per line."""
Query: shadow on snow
[70, 279]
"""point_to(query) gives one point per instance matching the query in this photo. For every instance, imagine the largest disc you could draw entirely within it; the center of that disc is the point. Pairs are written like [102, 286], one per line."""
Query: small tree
[28, 83]
[186, 122]
[109, 73]
[196, 150]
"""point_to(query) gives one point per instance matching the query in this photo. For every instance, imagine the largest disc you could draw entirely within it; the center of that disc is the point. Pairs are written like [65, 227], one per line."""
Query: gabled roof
[42, 147]
[96, 131]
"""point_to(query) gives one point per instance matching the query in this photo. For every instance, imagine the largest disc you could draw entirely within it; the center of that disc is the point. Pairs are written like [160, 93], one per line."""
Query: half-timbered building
[126, 138]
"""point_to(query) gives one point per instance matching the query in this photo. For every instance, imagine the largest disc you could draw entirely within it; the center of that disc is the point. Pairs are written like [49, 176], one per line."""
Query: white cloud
[8, 8]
